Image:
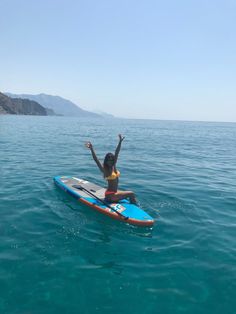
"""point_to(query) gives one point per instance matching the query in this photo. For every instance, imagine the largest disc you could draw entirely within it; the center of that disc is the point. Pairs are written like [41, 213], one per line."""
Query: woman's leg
[120, 195]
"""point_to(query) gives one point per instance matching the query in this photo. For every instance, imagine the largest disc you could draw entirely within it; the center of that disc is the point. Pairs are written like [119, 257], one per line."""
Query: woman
[111, 174]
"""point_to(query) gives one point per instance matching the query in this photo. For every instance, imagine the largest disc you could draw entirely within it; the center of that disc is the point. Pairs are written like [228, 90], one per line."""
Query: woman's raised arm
[90, 146]
[121, 138]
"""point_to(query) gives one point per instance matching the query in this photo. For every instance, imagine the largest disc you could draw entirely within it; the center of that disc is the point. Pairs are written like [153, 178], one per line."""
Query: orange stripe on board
[114, 215]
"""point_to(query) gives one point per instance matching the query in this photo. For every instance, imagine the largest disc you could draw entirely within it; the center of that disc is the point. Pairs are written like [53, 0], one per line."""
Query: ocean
[57, 256]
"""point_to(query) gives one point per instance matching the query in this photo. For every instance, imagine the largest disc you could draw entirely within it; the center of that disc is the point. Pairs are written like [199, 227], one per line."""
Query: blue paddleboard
[92, 195]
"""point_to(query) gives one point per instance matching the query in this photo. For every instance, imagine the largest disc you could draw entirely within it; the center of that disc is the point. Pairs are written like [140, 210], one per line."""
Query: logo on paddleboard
[119, 208]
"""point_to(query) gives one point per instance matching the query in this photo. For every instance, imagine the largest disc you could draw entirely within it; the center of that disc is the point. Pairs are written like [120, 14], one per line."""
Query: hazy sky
[172, 59]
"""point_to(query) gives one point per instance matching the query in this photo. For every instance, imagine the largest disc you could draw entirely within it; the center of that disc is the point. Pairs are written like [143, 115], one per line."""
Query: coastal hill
[58, 104]
[19, 106]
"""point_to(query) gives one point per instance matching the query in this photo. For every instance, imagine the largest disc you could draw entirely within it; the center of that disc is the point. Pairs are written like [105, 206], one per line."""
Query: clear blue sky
[173, 59]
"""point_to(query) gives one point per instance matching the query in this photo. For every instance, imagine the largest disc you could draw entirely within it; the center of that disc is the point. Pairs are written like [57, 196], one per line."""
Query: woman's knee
[130, 193]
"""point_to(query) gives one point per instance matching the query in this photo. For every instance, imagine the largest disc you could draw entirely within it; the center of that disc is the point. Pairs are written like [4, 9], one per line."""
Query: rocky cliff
[59, 105]
[19, 106]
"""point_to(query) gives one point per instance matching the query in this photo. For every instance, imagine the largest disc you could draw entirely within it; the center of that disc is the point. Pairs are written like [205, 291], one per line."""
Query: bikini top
[114, 175]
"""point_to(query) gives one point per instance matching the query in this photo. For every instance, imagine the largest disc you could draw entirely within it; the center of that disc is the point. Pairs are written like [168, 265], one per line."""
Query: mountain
[19, 106]
[104, 114]
[50, 112]
[58, 104]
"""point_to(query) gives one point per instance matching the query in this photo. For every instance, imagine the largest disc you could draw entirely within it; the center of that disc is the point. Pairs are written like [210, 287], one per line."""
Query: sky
[145, 59]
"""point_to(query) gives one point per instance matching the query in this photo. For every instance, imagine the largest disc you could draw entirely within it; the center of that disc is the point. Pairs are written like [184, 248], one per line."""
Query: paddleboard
[92, 195]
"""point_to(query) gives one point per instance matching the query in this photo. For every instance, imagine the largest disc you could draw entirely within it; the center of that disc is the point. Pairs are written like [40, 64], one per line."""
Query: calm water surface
[57, 256]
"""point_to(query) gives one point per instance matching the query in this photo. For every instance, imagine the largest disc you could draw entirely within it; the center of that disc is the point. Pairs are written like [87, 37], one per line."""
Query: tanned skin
[111, 165]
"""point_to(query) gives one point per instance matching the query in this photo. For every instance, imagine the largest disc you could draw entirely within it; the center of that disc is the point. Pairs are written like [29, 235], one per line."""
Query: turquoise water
[59, 257]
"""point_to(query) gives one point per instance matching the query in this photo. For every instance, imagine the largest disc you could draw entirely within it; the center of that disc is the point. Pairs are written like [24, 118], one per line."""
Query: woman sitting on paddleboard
[111, 174]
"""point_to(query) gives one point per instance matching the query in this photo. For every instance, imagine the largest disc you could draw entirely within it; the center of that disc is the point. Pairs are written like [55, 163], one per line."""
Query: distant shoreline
[120, 118]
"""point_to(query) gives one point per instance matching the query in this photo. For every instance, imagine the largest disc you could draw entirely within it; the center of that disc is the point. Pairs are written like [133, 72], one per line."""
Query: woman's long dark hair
[107, 167]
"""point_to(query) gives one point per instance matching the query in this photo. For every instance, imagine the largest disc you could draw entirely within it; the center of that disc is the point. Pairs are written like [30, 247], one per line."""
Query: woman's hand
[89, 145]
[121, 137]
